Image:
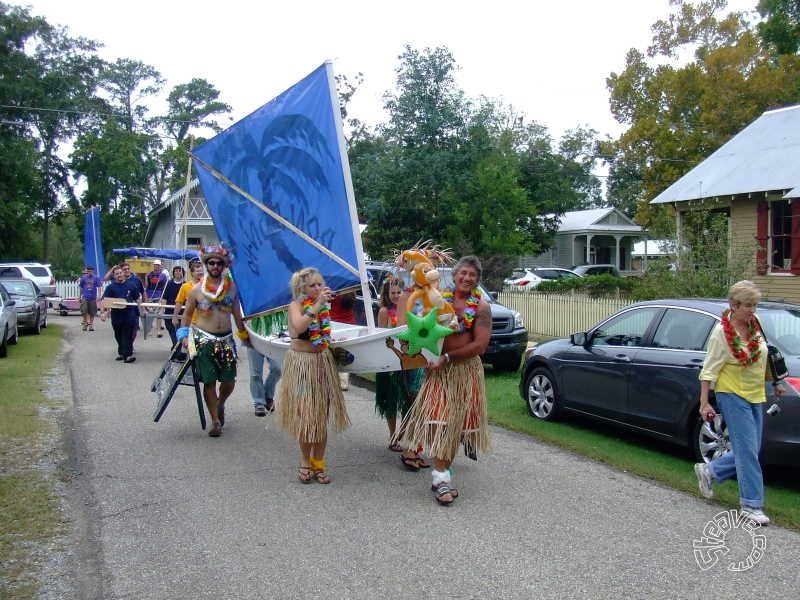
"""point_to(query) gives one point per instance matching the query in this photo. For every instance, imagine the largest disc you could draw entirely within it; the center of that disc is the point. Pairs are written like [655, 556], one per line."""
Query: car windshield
[782, 328]
[20, 288]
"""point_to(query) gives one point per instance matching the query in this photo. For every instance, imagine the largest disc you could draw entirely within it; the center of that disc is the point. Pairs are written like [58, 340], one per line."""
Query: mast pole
[181, 245]
[351, 199]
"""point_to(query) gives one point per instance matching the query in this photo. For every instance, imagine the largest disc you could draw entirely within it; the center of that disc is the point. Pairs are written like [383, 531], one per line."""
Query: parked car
[8, 322]
[585, 270]
[31, 304]
[639, 369]
[533, 277]
[39, 273]
[509, 338]
[517, 274]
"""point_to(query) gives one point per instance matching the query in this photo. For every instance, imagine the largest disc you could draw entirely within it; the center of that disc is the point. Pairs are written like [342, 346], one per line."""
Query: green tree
[678, 112]
[48, 79]
[780, 30]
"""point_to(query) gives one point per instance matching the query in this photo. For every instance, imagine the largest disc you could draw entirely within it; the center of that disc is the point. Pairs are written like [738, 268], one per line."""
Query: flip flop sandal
[396, 447]
[305, 475]
[421, 463]
[442, 491]
[322, 477]
[410, 462]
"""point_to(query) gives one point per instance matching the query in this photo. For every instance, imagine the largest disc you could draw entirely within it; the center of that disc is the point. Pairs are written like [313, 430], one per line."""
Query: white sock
[440, 477]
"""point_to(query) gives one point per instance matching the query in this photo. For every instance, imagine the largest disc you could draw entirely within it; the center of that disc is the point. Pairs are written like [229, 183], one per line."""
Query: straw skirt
[450, 409]
[308, 396]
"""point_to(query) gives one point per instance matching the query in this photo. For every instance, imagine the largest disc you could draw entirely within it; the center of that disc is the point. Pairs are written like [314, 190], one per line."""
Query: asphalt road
[162, 511]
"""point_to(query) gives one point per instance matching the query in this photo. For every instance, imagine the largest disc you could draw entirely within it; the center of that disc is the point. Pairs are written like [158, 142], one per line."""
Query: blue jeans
[262, 389]
[745, 425]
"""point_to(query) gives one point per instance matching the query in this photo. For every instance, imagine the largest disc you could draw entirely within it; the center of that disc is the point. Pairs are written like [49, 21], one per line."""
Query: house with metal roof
[594, 236]
[753, 179]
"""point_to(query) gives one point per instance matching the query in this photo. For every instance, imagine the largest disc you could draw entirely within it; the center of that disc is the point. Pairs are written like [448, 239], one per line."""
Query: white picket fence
[559, 315]
[67, 289]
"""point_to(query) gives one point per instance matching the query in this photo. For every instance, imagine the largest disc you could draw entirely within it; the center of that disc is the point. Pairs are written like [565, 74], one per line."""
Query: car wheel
[4, 344]
[710, 439]
[44, 321]
[37, 325]
[508, 363]
[14, 338]
[542, 394]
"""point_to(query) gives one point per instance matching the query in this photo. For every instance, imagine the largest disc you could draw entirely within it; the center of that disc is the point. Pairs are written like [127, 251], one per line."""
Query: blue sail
[93, 242]
[276, 188]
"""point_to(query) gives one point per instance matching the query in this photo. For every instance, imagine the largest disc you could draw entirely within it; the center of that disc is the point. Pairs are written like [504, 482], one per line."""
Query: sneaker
[270, 405]
[91, 328]
[83, 326]
[756, 514]
[704, 480]
[130, 359]
[261, 411]
[120, 357]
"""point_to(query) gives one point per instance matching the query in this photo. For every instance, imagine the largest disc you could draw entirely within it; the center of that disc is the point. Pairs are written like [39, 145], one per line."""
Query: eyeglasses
[214, 263]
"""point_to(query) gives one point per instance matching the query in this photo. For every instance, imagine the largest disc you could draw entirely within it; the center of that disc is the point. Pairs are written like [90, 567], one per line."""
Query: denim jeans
[745, 425]
[260, 388]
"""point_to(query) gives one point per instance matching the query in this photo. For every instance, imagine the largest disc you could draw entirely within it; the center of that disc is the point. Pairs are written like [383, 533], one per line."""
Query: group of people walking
[436, 409]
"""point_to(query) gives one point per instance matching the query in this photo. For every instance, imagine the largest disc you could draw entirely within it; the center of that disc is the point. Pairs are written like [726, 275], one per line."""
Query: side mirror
[12, 303]
[579, 339]
[493, 295]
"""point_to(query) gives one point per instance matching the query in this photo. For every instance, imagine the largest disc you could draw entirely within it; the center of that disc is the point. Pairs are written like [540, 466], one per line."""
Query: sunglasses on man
[215, 263]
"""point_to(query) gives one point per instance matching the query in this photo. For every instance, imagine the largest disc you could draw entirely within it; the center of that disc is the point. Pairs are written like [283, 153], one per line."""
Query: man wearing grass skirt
[450, 409]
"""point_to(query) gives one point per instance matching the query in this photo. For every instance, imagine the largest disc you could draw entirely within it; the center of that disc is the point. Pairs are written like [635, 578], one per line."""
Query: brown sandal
[443, 490]
[410, 462]
[305, 475]
[321, 477]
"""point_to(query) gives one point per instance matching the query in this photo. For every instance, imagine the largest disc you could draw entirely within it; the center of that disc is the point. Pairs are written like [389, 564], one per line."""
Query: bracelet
[447, 357]
[243, 334]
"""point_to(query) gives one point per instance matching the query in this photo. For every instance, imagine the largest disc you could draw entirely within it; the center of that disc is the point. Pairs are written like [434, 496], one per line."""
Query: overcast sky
[548, 59]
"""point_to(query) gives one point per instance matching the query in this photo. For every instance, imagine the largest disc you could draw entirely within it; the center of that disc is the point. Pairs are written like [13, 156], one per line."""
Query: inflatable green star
[424, 332]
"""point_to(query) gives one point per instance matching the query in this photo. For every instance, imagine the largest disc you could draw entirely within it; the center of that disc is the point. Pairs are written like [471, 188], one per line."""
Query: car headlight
[518, 324]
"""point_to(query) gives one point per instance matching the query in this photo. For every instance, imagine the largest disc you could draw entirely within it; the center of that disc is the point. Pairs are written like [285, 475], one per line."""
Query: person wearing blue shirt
[124, 318]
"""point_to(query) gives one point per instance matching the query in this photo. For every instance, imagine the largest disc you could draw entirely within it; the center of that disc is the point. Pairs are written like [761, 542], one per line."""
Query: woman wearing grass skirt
[309, 398]
[395, 390]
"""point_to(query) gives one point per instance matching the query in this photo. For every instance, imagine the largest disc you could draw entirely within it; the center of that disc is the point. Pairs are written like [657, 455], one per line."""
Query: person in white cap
[156, 283]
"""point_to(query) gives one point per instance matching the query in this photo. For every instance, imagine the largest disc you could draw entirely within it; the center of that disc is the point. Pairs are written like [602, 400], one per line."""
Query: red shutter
[762, 229]
[796, 236]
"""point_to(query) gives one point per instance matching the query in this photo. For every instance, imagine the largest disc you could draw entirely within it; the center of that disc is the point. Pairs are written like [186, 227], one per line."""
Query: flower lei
[471, 308]
[215, 293]
[753, 352]
[320, 328]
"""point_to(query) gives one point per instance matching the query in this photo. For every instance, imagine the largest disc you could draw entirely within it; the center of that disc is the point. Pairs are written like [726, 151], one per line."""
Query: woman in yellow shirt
[736, 365]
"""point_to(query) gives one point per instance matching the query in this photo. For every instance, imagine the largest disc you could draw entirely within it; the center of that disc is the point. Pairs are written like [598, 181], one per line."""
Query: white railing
[67, 289]
[559, 315]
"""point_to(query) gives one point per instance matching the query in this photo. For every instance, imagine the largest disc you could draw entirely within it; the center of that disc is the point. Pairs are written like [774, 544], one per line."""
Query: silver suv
[39, 273]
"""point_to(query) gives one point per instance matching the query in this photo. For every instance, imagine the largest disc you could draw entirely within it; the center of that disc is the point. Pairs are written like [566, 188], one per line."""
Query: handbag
[776, 365]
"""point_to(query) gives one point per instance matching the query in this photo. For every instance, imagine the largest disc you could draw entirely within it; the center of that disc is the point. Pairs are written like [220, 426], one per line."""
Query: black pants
[123, 333]
[170, 327]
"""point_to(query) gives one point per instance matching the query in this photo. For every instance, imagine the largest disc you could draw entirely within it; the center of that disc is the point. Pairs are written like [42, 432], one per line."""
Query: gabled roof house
[593, 236]
[754, 179]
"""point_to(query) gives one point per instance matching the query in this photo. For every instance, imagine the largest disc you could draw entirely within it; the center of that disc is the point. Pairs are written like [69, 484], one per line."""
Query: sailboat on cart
[278, 188]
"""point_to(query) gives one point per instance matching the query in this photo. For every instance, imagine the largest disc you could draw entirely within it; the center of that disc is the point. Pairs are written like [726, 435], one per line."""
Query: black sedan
[639, 369]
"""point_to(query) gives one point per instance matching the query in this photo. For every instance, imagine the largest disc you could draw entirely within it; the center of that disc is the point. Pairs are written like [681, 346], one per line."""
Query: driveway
[162, 511]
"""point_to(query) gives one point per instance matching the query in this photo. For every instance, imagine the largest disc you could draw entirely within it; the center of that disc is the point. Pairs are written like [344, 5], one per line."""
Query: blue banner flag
[276, 187]
[93, 242]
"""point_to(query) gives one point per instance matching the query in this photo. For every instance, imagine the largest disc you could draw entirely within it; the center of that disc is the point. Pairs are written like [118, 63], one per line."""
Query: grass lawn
[652, 459]
[29, 515]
